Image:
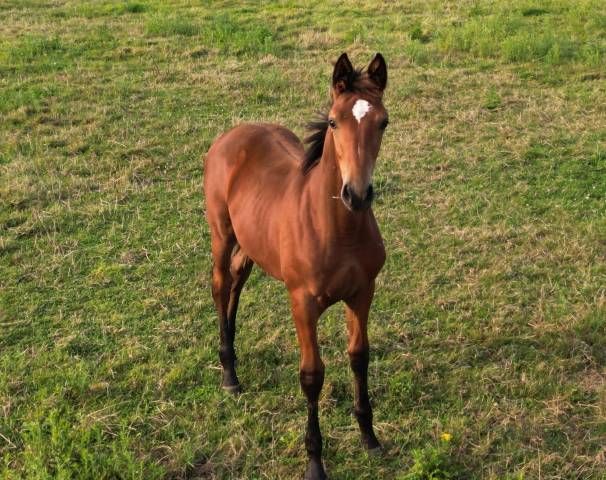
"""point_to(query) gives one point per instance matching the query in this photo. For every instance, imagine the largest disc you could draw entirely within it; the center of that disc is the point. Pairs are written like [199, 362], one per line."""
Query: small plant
[419, 34]
[33, 47]
[434, 462]
[134, 7]
[417, 53]
[167, 26]
[492, 100]
[533, 12]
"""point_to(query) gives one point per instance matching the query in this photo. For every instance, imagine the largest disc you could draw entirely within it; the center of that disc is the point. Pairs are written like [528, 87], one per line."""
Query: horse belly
[257, 232]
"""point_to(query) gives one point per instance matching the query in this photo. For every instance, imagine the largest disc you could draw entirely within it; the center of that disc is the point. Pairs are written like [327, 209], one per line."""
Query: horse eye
[332, 123]
[384, 124]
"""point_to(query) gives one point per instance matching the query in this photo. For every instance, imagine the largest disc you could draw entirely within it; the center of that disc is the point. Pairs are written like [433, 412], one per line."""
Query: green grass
[488, 322]
[220, 33]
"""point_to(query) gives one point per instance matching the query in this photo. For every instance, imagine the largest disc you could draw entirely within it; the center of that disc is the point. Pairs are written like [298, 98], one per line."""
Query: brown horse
[305, 218]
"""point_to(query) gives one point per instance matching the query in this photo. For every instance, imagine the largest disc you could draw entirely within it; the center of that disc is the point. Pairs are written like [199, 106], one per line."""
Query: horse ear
[377, 71]
[342, 75]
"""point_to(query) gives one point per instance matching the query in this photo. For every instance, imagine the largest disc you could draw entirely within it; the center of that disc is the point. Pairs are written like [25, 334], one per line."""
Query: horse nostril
[370, 193]
[346, 193]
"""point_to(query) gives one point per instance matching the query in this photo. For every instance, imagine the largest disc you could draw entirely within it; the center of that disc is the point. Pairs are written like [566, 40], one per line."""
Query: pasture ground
[488, 336]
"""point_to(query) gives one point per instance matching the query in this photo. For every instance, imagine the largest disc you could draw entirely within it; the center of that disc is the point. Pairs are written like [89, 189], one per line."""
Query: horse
[304, 216]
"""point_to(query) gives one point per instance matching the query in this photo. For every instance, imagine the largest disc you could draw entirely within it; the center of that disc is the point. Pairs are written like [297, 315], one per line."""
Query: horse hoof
[371, 444]
[376, 451]
[315, 471]
[233, 389]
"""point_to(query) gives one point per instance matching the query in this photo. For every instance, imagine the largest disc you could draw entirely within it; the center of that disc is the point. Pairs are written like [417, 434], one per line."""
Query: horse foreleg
[306, 312]
[356, 312]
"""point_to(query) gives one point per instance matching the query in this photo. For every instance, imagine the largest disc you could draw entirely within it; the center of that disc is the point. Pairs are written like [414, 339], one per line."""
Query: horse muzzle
[355, 202]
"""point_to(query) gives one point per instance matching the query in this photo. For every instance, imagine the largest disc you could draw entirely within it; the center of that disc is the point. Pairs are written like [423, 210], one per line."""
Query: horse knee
[311, 383]
[358, 361]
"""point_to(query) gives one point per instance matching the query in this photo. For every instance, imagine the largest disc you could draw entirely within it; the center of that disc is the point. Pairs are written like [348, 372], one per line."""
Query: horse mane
[315, 142]
[359, 82]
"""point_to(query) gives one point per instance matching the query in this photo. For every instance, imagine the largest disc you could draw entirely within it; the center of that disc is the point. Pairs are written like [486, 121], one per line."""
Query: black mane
[315, 142]
[358, 83]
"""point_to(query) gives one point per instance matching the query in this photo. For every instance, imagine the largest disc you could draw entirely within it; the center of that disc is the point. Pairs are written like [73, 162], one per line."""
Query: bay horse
[305, 218]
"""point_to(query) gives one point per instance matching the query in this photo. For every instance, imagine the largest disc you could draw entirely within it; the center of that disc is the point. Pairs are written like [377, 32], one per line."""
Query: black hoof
[315, 471]
[230, 382]
[376, 451]
[372, 445]
[233, 389]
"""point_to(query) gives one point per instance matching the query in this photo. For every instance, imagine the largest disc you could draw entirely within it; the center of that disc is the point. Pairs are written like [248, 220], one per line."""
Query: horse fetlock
[228, 362]
[230, 381]
[313, 444]
[315, 470]
[369, 439]
[374, 451]
[227, 355]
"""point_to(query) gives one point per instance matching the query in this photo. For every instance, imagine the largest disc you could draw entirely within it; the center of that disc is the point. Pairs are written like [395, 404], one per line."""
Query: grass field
[488, 329]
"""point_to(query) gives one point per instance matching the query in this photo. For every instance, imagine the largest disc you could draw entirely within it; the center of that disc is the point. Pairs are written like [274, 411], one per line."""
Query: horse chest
[337, 272]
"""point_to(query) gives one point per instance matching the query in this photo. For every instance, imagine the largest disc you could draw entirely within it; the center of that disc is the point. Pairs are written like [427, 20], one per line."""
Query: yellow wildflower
[447, 437]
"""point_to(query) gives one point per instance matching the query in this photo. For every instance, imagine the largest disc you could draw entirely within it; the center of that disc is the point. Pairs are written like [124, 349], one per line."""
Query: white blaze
[360, 109]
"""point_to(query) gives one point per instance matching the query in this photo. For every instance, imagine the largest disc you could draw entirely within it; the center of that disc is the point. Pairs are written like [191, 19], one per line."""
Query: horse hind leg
[223, 241]
[240, 268]
[231, 268]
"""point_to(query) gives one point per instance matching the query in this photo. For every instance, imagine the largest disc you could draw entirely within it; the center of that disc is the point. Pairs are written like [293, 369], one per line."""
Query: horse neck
[326, 184]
